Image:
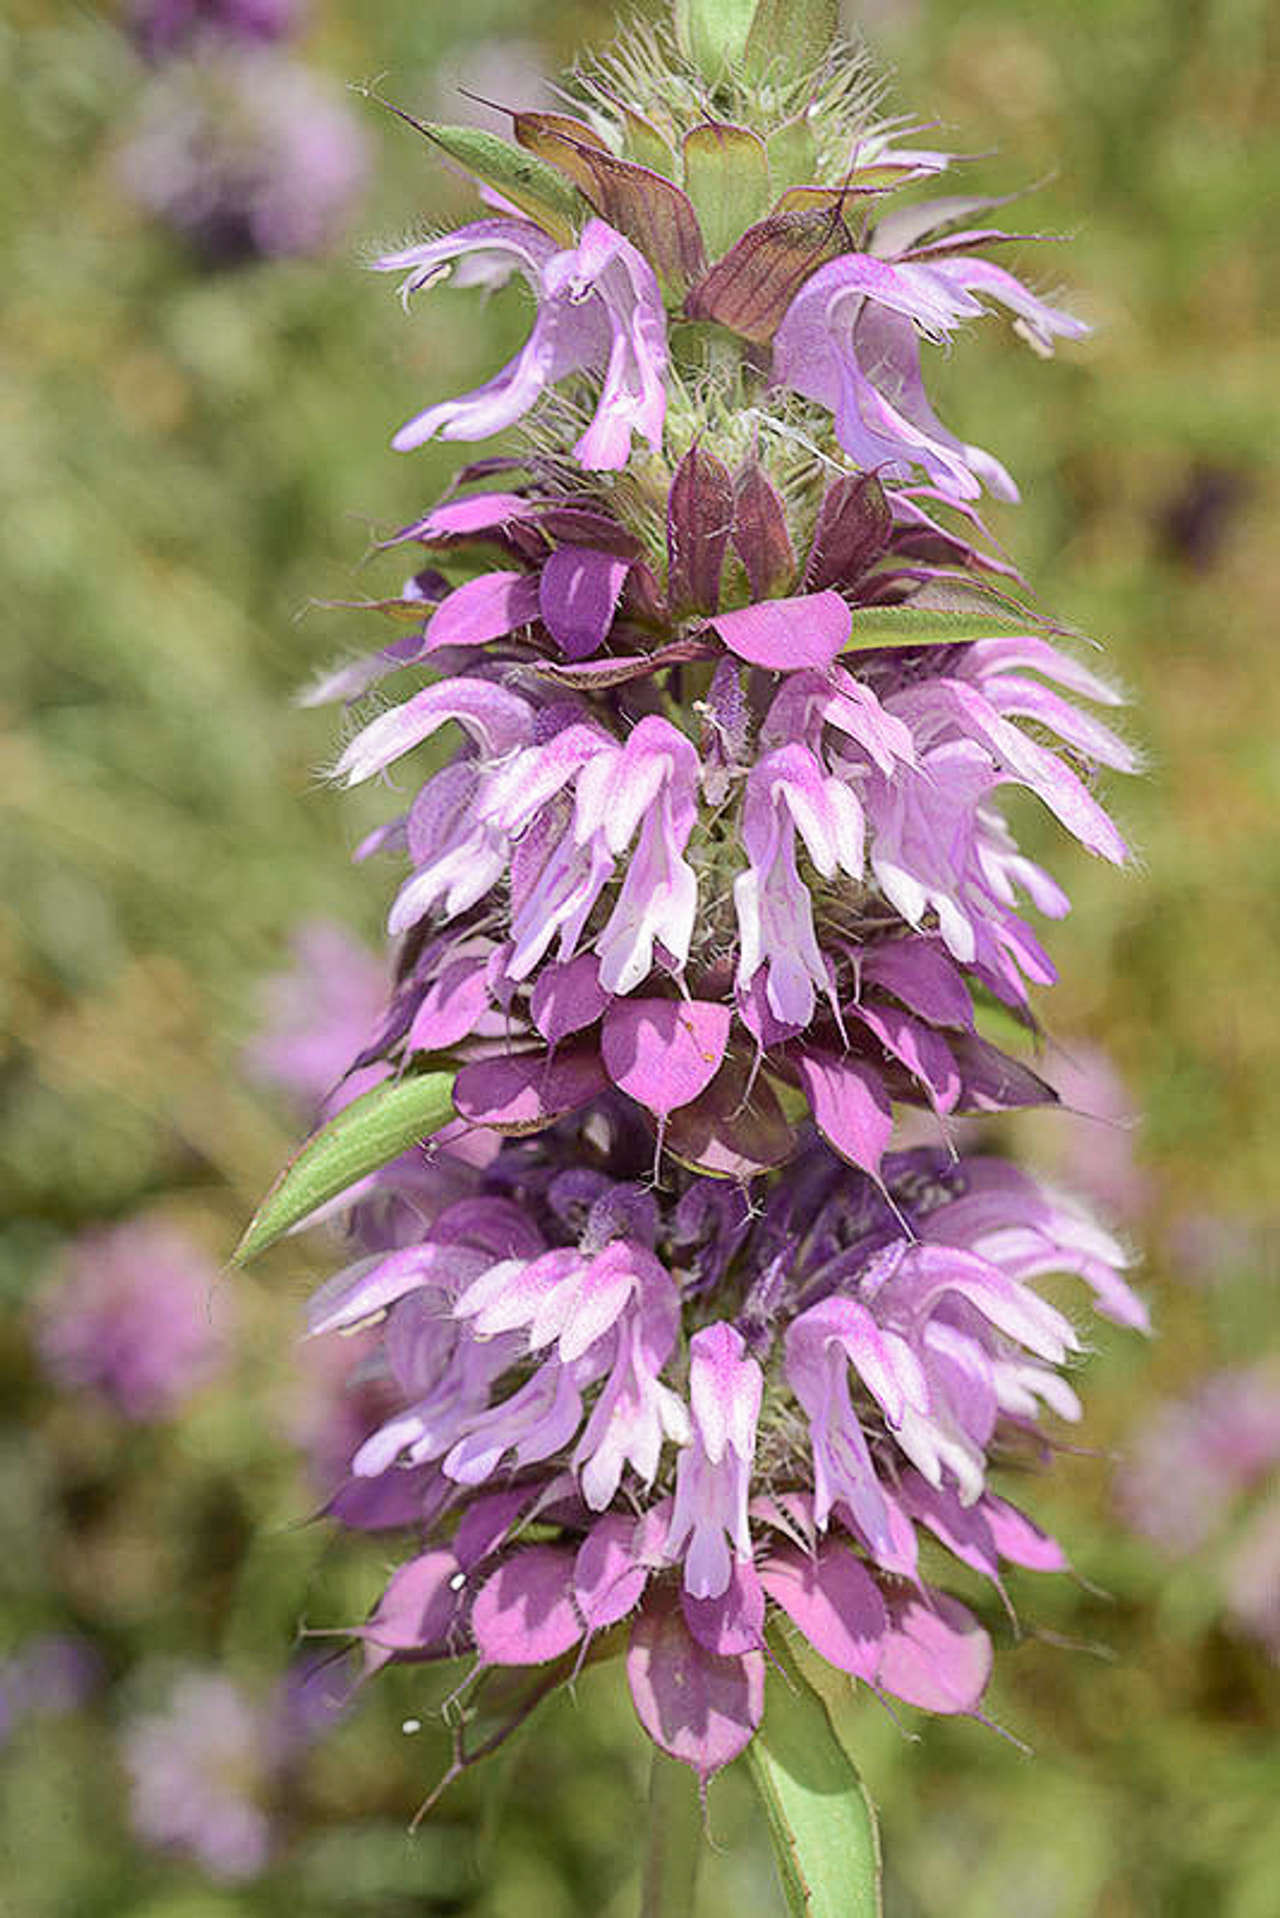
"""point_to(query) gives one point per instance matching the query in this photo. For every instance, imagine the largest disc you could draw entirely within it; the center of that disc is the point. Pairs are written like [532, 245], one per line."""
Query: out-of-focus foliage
[193, 456]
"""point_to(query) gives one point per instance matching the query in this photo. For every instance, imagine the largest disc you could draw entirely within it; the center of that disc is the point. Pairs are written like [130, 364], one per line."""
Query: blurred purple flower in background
[139, 1313]
[317, 1016]
[1196, 1455]
[1205, 1470]
[46, 1676]
[206, 1766]
[1089, 1143]
[1251, 1577]
[162, 28]
[246, 154]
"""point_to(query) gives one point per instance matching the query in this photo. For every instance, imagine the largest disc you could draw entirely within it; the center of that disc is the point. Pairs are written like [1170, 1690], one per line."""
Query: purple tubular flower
[599, 309]
[707, 878]
[713, 1476]
[849, 342]
[140, 1315]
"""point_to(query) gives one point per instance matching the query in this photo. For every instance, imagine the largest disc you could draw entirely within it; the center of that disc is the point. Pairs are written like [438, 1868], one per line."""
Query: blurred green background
[190, 456]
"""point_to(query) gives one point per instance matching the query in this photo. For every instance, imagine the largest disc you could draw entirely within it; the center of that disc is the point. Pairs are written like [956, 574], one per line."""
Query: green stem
[675, 1841]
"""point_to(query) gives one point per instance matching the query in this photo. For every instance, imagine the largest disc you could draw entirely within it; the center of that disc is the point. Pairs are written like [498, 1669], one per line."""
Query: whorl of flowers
[707, 872]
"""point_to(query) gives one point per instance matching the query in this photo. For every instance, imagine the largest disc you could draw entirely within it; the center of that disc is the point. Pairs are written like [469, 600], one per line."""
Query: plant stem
[675, 1841]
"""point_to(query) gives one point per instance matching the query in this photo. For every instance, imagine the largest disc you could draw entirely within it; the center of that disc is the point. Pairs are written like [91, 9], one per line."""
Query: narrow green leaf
[726, 175]
[915, 626]
[713, 33]
[371, 1131]
[825, 1841]
[793, 34]
[529, 182]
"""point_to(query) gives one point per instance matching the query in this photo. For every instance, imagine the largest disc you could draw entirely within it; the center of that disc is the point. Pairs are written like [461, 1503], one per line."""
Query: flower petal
[788, 635]
[834, 1601]
[486, 608]
[578, 594]
[698, 1707]
[664, 1052]
[936, 1655]
[849, 1104]
[528, 1090]
[524, 1614]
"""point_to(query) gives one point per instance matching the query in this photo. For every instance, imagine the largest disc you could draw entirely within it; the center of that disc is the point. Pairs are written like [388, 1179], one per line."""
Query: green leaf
[793, 34]
[825, 1841]
[915, 626]
[371, 1131]
[726, 175]
[713, 33]
[675, 1840]
[531, 183]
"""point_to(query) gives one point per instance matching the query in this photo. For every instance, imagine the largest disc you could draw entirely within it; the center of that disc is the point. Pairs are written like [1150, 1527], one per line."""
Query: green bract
[371, 1131]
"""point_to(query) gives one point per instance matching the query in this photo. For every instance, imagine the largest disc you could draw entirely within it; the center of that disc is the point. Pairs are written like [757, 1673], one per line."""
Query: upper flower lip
[599, 308]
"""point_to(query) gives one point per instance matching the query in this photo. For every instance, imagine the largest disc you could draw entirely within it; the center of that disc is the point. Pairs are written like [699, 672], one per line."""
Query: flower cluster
[707, 874]
[701, 1397]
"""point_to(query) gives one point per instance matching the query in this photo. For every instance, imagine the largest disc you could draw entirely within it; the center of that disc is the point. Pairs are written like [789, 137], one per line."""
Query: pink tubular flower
[849, 341]
[713, 1476]
[599, 309]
